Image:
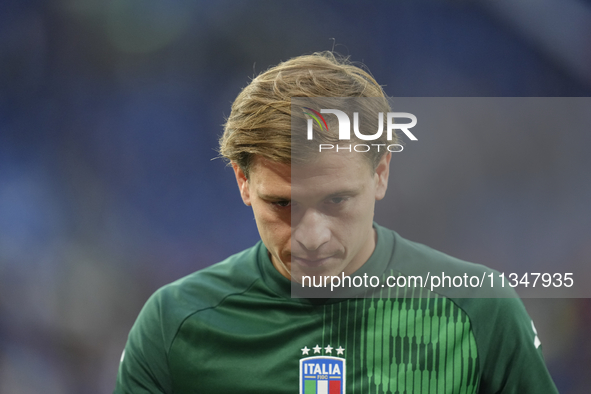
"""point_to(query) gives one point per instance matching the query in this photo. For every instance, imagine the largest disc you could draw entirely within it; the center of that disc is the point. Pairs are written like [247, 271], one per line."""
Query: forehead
[329, 172]
[342, 164]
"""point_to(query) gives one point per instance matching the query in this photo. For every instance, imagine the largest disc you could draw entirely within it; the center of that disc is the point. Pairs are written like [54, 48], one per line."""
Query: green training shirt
[234, 328]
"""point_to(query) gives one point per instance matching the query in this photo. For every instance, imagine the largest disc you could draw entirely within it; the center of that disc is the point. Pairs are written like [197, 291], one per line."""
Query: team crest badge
[322, 375]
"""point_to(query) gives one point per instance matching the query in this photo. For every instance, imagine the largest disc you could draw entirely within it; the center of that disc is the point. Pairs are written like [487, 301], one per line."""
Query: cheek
[354, 225]
[277, 237]
[274, 227]
[360, 212]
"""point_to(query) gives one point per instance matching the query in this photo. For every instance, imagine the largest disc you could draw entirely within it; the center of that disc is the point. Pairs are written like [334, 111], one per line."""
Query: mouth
[310, 263]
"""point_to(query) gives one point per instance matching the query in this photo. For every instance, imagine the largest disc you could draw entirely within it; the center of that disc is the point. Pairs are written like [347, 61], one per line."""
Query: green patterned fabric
[234, 328]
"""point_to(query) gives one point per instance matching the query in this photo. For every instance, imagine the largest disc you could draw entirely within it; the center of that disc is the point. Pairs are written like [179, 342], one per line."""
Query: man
[235, 327]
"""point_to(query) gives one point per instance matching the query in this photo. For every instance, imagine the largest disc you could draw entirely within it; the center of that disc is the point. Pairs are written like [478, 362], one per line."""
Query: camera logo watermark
[344, 128]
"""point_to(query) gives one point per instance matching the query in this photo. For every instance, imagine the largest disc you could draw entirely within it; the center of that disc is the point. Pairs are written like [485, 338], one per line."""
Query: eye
[282, 203]
[338, 200]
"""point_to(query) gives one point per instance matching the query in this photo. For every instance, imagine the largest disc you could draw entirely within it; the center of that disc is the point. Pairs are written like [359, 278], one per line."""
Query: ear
[242, 183]
[382, 173]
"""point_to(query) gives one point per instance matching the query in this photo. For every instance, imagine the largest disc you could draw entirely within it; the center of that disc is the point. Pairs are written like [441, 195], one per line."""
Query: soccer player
[235, 328]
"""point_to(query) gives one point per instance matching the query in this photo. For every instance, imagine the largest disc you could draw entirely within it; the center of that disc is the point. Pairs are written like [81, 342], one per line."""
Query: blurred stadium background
[109, 116]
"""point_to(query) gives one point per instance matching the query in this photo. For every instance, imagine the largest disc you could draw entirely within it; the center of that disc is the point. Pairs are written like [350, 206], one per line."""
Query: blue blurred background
[110, 113]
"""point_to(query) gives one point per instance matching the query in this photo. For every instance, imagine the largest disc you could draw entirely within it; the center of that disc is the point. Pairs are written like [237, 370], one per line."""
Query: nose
[311, 230]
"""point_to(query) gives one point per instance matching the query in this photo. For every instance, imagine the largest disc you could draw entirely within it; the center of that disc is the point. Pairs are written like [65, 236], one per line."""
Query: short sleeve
[511, 353]
[144, 362]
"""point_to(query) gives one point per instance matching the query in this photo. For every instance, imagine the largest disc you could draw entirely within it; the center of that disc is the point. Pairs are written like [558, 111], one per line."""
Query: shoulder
[410, 255]
[206, 288]
[145, 361]
[446, 275]
[165, 311]
[509, 352]
[491, 306]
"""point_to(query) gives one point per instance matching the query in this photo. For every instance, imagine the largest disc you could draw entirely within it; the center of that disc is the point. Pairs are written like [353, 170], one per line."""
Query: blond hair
[260, 120]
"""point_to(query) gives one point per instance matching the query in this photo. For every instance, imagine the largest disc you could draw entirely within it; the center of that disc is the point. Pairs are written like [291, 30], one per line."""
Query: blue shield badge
[322, 375]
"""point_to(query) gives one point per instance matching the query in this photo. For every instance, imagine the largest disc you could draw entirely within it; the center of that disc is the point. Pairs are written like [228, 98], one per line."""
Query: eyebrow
[278, 197]
[352, 191]
[274, 197]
